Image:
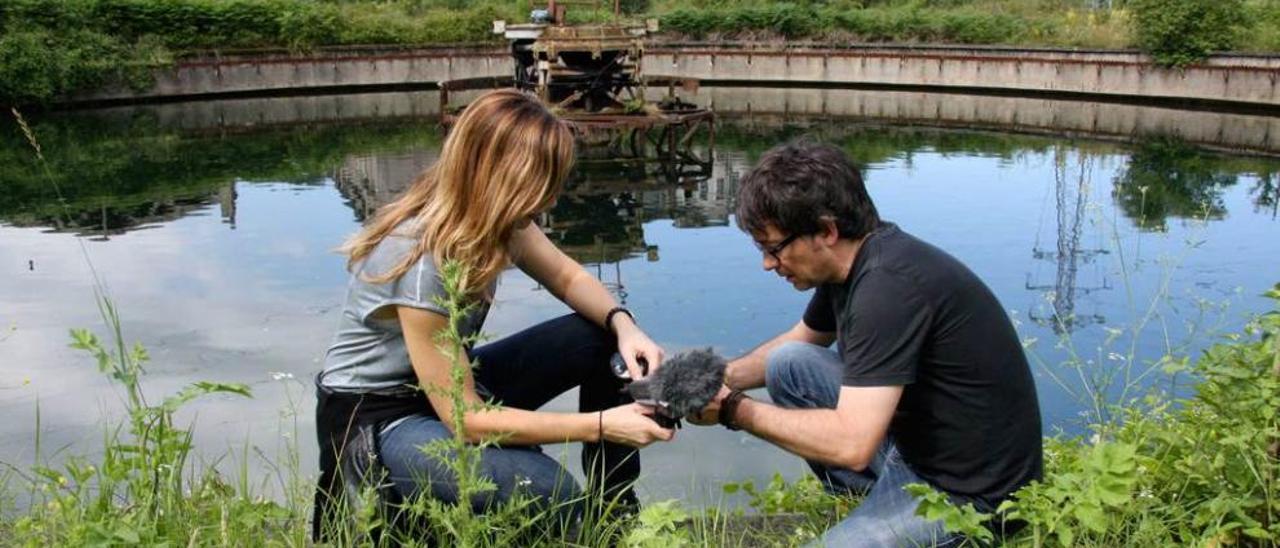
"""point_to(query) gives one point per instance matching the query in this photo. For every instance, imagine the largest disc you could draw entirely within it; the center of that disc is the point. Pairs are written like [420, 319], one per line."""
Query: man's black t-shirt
[911, 315]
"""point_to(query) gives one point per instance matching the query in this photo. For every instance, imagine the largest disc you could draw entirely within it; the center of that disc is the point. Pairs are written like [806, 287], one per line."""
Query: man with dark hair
[928, 382]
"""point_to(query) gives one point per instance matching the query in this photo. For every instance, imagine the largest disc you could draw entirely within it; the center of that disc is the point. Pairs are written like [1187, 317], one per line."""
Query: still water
[217, 246]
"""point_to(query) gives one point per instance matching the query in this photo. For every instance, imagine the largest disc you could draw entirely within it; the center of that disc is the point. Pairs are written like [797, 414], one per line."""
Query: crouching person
[927, 382]
[385, 385]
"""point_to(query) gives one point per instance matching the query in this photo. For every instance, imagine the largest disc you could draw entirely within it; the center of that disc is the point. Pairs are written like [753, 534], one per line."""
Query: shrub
[38, 65]
[1178, 33]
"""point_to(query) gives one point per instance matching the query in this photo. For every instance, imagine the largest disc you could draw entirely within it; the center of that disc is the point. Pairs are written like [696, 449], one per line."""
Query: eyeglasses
[777, 248]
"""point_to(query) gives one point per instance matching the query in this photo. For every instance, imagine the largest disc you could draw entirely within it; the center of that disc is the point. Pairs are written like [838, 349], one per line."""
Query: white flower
[280, 375]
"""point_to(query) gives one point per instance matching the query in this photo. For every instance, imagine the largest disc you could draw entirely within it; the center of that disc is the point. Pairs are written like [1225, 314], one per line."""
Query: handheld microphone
[684, 384]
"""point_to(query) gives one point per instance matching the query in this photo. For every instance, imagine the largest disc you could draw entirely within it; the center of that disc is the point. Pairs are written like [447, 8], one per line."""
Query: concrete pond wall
[1229, 102]
[1224, 80]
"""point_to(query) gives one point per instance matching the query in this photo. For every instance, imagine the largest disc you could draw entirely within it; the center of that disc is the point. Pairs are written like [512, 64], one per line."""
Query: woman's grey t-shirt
[368, 354]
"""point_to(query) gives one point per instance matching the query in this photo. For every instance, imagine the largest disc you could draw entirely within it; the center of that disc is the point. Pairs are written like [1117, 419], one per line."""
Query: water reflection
[1168, 178]
[1266, 193]
[1064, 230]
[1072, 179]
[600, 217]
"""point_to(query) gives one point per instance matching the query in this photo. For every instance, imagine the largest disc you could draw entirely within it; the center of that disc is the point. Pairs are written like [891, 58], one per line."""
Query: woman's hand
[634, 345]
[632, 424]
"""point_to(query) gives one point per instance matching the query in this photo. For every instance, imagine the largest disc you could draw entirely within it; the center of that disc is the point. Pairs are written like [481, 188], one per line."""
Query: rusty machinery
[592, 76]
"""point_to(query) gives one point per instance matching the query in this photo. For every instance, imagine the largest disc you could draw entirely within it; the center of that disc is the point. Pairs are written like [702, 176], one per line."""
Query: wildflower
[524, 482]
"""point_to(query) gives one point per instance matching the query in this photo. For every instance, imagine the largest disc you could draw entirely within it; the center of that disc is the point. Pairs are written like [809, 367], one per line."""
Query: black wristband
[729, 408]
[608, 317]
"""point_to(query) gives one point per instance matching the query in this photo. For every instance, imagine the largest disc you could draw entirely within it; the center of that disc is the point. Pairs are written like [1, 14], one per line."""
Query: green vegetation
[1197, 471]
[1182, 32]
[53, 48]
[50, 49]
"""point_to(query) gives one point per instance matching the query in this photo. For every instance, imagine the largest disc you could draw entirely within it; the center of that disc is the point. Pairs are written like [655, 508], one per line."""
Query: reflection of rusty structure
[599, 220]
[1072, 200]
[592, 76]
[371, 181]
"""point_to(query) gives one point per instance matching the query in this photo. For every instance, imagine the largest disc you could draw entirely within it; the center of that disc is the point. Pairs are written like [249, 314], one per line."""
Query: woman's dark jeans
[526, 370]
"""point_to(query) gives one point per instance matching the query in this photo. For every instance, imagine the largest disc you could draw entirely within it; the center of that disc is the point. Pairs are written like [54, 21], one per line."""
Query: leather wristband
[729, 408]
[608, 317]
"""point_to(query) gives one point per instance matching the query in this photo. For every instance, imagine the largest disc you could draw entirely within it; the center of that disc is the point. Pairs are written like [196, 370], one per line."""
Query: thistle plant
[459, 523]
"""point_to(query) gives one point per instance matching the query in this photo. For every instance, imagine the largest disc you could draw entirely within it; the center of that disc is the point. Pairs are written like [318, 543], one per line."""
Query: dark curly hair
[797, 184]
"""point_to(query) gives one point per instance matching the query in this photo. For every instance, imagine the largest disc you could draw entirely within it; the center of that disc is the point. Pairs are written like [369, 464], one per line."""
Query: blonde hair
[505, 160]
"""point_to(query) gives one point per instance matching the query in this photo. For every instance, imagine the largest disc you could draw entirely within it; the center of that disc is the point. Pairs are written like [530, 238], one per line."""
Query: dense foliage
[53, 48]
[1197, 471]
[50, 49]
[906, 23]
[1194, 471]
[1180, 32]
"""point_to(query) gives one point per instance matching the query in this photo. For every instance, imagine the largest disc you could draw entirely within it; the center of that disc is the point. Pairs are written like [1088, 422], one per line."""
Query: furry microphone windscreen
[689, 380]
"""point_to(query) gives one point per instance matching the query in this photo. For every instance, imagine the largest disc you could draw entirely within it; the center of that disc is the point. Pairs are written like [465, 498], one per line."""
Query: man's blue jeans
[806, 376]
[525, 371]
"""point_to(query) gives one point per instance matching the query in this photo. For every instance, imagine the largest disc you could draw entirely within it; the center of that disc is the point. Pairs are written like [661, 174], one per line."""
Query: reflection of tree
[869, 144]
[1166, 178]
[112, 176]
[1266, 192]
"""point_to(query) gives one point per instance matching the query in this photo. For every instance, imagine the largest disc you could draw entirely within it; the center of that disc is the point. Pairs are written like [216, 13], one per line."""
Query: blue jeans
[806, 376]
[526, 370]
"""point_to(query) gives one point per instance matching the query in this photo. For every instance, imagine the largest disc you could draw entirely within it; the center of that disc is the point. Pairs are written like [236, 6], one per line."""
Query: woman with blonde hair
[503, 164]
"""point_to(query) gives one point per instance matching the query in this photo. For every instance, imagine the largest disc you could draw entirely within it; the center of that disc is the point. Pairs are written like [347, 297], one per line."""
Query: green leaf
[1066, 537]
[1091, 517]
[1258, 533]
[128, 536]
[201, 388]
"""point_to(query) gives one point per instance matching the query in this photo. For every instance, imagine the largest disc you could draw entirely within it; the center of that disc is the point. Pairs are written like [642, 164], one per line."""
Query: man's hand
[710, 414]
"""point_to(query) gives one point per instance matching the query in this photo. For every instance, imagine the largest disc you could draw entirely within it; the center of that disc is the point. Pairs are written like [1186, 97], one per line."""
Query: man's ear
[830, 233]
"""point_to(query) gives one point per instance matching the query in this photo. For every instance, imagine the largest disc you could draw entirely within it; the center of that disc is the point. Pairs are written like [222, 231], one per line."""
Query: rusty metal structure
[592, 76]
